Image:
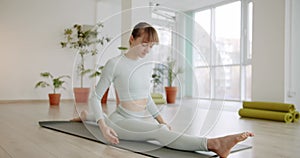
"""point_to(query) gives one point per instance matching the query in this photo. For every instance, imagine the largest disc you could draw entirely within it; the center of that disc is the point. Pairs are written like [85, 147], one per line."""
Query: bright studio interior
[231, 65]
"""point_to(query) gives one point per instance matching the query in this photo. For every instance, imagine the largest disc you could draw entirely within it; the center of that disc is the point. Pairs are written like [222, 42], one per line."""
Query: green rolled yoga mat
[295, 116]
[159, 101]
[158, 98]
[265, 114]
[284, 107]
[156, 95]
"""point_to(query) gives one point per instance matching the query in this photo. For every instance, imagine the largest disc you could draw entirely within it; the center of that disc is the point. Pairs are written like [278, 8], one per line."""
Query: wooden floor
[22, 137]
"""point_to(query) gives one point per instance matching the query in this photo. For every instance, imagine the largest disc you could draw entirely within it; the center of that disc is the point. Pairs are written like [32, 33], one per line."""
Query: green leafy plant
[172, 71]
[156, 79]
[84, 39]
[168, 71]
[122, 48]
[54, 83]
[97, 72]
[157, 74]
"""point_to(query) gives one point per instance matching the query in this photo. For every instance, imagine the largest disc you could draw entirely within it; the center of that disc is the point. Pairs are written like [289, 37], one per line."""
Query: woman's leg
[139, 130]
[84, 116]
[223, 145]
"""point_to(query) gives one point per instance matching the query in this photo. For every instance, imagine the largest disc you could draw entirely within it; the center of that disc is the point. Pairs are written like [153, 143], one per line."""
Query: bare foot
[81, 118]
[223, 145]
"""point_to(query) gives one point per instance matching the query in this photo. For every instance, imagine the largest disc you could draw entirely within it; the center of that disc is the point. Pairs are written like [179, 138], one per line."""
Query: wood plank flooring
[22, 137]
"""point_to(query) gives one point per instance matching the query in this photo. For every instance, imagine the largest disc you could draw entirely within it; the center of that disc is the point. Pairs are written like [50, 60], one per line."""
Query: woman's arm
[108, 133]
[160, 120]
[101, 87]
[152, 108]
[105, 81]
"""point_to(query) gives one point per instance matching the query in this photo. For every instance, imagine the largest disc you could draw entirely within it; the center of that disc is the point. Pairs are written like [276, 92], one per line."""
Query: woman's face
[141, 46]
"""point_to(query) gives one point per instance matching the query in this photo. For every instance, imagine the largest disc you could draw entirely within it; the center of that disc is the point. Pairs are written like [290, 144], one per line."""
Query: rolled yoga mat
[295, 116]
[91, 130]
[158, 98]
[159, 101]
[284, 107]
[265, 114]
[156, 95]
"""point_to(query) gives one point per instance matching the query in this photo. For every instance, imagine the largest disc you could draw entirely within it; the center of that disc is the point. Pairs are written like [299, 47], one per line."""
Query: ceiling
[185, 5]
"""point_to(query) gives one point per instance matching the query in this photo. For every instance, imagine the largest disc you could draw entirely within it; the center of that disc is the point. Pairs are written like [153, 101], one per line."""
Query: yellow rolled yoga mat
[158, 98]
[295, 116]
[284, 107]
[265, 114]
[156, 95]
[159, 101]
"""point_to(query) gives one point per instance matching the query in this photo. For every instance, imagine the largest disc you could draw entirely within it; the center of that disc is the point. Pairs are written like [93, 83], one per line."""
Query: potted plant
[157, 80]
[54, 83]
[157, 77]
[172, 72]
[84, 39]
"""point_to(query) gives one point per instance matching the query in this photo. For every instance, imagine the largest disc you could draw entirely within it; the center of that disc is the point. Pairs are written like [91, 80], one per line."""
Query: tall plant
[97, 72]
[84, 39]
[172, 71]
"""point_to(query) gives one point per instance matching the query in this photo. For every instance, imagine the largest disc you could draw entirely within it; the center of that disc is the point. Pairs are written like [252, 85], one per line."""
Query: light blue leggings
[131, 126]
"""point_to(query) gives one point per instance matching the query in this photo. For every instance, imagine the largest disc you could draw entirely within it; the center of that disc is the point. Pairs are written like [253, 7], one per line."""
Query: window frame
[244, 50]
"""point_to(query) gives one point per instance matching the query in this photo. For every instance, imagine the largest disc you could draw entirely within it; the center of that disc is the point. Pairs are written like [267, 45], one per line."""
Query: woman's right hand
[108, 133]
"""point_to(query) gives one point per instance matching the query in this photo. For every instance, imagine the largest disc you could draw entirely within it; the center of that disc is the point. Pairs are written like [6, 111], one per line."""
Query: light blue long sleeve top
[131, 79]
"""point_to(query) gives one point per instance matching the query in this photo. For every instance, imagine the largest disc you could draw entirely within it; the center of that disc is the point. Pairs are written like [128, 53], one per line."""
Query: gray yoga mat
[88, 130]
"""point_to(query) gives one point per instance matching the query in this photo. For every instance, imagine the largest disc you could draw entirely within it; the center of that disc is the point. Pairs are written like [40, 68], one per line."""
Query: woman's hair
[145, 29]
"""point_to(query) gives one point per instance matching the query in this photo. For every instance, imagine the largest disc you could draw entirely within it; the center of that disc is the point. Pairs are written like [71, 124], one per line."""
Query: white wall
[30, 34]
[109, 13]
[119, 16]
[268, 50]
[29, 43]
[31, 31]
[292, 93]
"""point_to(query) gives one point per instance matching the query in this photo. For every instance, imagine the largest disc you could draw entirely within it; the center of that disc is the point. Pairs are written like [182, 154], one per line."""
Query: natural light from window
[217, 62]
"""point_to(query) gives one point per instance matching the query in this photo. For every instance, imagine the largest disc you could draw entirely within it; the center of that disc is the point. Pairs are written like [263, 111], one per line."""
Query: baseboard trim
[38, 101]
[31, 101]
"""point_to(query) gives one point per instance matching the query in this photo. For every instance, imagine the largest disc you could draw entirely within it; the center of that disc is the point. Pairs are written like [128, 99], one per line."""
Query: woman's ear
[131, 39]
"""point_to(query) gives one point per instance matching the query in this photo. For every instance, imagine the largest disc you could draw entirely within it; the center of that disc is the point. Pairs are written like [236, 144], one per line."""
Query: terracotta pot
[54, 98]
[171, 93]
[104, 98]
[81, 95]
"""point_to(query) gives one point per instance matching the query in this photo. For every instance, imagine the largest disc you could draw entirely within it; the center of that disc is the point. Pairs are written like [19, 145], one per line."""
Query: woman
[130, 74]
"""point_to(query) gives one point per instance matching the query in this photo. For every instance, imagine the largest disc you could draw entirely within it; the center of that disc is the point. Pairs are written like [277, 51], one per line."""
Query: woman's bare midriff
[134, 105]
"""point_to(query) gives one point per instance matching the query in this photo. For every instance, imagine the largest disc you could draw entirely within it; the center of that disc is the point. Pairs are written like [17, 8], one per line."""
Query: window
[163, 20]
[165, 38]
[222, 53]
